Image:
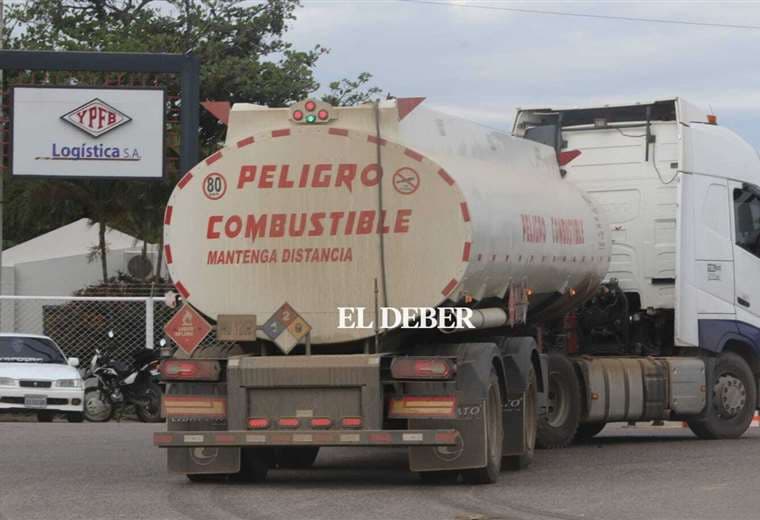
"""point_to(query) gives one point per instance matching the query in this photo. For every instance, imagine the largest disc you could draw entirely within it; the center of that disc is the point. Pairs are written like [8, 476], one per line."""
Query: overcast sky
[482, 63]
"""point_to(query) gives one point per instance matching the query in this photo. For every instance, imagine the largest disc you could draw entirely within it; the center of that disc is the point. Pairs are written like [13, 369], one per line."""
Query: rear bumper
[249, 438]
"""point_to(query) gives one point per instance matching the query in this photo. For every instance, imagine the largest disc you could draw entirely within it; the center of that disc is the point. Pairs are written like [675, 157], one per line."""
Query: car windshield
[29, 350]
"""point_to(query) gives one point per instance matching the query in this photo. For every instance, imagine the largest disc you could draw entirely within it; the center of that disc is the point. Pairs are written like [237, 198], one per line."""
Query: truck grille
[34, 384]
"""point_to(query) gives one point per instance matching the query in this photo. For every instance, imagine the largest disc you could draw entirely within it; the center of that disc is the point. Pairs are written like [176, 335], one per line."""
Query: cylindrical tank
[300, 214]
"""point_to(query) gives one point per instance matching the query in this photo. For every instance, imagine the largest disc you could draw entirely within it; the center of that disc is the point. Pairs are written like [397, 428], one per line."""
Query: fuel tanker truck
[387, 275]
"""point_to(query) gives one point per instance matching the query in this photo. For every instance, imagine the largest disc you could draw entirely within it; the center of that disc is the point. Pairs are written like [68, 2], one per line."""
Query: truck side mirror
[73, 362]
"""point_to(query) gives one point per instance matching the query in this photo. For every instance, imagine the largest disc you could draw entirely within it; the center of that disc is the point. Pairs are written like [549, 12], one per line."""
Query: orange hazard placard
[187, 328]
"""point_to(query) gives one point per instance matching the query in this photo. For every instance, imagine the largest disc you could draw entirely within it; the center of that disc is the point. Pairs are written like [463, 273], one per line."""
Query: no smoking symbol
[406, 181]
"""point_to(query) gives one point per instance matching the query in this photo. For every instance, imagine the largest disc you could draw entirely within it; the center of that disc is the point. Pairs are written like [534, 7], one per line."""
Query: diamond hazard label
[286, 328]
[187, 329]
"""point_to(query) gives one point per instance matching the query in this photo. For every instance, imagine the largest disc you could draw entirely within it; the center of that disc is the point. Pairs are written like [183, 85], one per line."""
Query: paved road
[63, 471]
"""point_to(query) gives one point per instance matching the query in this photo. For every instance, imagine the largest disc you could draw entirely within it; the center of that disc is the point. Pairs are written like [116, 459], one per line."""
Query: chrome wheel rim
[730, 395]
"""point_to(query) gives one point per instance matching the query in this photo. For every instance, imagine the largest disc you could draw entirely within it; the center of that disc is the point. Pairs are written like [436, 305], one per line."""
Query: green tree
[244, 57]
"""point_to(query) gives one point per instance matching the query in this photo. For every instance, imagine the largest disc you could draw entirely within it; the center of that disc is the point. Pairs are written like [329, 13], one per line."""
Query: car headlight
[8, 381]
[69, 383]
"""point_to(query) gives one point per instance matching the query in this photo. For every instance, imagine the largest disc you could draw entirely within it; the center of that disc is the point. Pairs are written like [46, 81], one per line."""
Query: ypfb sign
[86, 132]
[96, 118]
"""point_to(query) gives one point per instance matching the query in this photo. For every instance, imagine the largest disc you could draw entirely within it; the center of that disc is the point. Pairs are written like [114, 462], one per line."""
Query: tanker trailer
[315, 223]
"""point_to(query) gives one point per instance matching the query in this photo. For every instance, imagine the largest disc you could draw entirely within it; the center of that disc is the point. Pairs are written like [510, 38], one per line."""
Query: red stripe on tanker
[182, 290]
[245, 142]
[168, 215]
[184, 180]
[213, 158]
[299, 221]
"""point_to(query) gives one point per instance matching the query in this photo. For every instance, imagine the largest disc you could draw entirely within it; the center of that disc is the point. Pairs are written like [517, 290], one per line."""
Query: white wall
[8, 287]
[52, 277]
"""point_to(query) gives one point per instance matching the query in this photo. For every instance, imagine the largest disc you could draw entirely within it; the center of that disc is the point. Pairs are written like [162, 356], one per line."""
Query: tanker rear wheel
[530, 429]
[296, 457]
[587, 431]
[494, 437]
[734, 398]
[557, 427]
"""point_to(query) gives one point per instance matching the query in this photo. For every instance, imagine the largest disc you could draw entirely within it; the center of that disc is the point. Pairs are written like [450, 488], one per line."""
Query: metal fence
[79, 324]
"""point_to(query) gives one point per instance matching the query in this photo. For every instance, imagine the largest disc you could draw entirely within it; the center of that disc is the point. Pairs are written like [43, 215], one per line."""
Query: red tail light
[422, 368]
[258, 423]
[192, 370]
[289, 422]
[321, 422]
[351, 422]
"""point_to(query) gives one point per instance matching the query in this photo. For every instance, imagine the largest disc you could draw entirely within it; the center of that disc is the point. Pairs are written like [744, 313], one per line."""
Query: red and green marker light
[310, 116]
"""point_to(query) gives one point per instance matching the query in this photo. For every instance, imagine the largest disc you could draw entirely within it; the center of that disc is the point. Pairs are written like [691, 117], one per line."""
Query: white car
[36, 377]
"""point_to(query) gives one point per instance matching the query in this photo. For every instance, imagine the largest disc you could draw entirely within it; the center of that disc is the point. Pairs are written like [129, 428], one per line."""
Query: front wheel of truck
[494, 437]
[734, 398]
[556, 428]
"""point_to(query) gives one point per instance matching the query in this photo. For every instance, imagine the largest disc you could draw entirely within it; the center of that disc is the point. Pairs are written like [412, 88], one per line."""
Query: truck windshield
[29, 350]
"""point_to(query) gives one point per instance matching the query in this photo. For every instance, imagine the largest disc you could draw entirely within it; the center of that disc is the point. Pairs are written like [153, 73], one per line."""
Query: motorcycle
[120, 384]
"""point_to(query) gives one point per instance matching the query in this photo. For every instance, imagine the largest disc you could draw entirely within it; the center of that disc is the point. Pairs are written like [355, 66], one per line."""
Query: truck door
[705, 286]
[746, 217]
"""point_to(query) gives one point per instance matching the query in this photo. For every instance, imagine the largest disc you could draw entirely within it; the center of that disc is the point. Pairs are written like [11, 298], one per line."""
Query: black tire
[530, 432]
[75, 417]
[557, 427]
[255, 464]
[494, 437]
[150, 412]
[45, 417]
[734, 398]
[206, 477]
[299, 457]
[588, 431]
[95, 396]
[439, 477]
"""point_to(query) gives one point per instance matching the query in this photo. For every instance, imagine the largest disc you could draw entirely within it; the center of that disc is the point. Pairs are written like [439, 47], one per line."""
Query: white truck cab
[682, 195]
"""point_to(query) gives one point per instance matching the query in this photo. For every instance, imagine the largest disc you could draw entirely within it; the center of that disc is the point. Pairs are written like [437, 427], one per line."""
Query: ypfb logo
[96, 117]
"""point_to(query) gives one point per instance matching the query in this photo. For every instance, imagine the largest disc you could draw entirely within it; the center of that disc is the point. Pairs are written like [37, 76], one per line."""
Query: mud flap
[203, 460]
[514, 425]
[470, 450]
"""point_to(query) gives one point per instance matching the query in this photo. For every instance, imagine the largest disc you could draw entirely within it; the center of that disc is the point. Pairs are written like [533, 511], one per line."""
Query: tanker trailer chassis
[466, 408]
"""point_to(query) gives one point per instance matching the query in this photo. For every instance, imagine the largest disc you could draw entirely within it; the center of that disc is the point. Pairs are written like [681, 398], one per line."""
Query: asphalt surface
[64, 471]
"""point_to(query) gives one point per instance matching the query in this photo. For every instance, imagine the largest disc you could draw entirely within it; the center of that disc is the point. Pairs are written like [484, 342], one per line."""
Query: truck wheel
[255, 464]
[150, 410]
[494, 437]
[734, 397]
[296, 458]
[557, 427]
[206, 477]
[518, 462]
[587, 431]
[439, 477]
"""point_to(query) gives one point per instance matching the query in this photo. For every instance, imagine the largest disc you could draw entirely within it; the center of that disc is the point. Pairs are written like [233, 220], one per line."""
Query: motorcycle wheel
[97, 406]
[150, 412]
